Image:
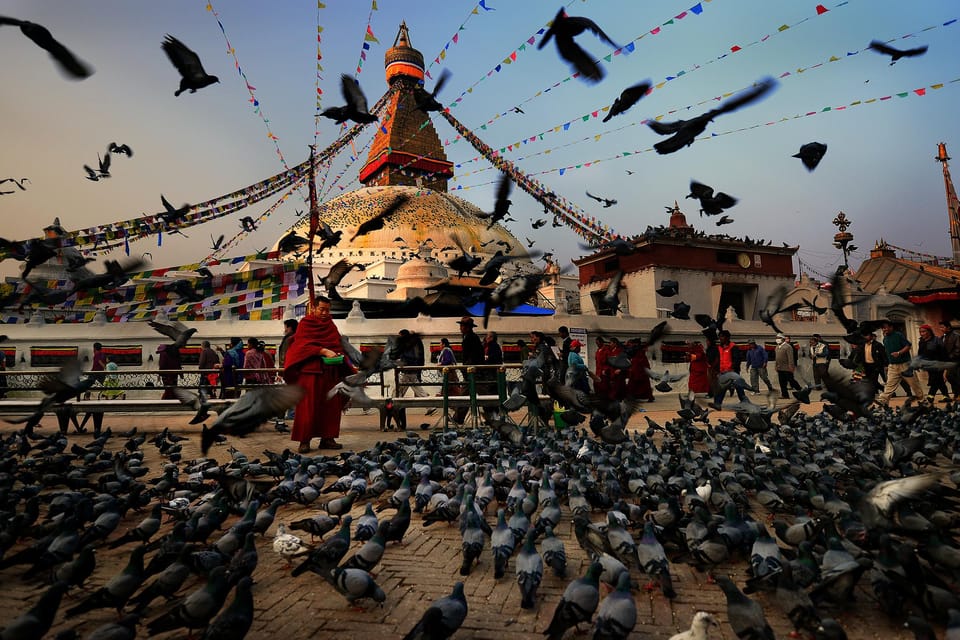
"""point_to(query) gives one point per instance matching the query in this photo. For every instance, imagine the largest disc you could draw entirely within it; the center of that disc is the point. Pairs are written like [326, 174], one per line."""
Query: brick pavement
[413, 574]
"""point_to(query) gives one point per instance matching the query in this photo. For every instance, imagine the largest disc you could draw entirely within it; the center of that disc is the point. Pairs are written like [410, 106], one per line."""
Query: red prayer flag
[821, 9]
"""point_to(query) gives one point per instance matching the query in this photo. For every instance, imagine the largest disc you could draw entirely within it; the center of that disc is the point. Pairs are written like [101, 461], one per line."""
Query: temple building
[716, 274]
[408, 256]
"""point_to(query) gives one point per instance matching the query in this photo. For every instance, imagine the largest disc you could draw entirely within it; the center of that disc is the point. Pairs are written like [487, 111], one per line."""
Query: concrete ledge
[23, 407]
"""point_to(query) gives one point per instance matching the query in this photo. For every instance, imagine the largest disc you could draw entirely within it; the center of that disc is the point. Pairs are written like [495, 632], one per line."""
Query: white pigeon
[698, 627]
[288, 545]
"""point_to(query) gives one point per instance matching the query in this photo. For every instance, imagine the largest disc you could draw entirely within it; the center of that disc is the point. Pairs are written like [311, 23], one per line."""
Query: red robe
[601, 385]
[638, 385]
[316, 416]
[699, 379]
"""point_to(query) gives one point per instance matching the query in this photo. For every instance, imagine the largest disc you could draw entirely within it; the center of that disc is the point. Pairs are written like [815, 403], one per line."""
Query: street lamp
[843, 239]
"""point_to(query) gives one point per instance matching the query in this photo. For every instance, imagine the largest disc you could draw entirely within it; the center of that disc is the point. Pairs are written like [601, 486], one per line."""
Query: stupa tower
[406, 149]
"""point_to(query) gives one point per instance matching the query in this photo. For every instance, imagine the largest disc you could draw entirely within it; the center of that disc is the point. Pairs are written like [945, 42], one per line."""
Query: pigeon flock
[801, 519]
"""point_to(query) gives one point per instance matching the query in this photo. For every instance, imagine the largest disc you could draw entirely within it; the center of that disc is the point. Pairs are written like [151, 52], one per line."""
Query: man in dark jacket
[471, 353]
[898, 361]
[871, 359]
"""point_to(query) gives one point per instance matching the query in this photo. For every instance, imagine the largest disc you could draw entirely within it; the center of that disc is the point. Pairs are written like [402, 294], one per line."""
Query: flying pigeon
[42, 37]
[811, 154]
[710, 203]
[250, 411]
[378, 221]
[428, 101]
[896, 54]
[356, 104]
[122, 149]
[606, 202]
[627, 98]
[564, 28]
[668, 288]
[192, 74]
[683, 132]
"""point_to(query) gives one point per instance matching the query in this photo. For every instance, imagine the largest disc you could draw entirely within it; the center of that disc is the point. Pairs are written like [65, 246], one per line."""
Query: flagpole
[314, 223]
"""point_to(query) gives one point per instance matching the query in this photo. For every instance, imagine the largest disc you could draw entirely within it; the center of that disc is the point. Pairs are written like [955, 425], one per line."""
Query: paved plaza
[414, 573]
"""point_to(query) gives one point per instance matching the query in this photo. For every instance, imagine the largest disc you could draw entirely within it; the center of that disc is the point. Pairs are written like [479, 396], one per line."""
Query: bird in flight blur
[42, 37]
[683, 132]
[627, 98]
[122, 149]
[563, 29]
[356, 107]
[606, 202]
[192, 74]
[811, 154]
[896, 54]
[710, 203]
[428, 101]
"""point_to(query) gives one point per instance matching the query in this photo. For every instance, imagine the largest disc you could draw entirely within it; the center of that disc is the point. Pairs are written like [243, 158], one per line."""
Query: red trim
[59, 352]
[934, 297]
[406, 160]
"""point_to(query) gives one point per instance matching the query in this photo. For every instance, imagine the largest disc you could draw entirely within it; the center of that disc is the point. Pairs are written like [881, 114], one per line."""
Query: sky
[879, 168]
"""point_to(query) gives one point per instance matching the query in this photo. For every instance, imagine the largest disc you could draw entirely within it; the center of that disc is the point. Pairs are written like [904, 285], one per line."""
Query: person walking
[820, 356]
[316, 362]
[951, 348]
[601, 369]
[565, 341]
[757, 360]
[169, 363]
[577, 371]
[785, 360]
[230, 377]
[408, 352]
[869, 359]
[728, 362]
[930, 347]
[207, 365]
[289, 331]
[897, 347]
[99, 363]
[471, 353]
[252, 363]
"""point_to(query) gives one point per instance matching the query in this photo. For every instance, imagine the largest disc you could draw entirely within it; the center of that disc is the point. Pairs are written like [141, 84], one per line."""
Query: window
[726, 257]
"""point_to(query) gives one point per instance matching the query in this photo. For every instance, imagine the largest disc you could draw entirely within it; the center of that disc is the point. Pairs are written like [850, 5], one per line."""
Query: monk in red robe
[311, 362]
[638, 381]
[699, 379]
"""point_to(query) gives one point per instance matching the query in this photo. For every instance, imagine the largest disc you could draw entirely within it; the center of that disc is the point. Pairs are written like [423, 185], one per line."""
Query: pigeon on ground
[42, 37]
[811, 154]
[118, 590]
[578, 604]
[744, 615]
[627, 98]
[287, 545]
[699, 627]
[355, 108]
[617, 615]
[529, 570]
[357, 584]
[37, 620]
[328, 555]
[187, 62]
[896, 54]
[683, 132]
[564, 28]
[317, 526]
[442, 619]
[234, 622]
[198, 608]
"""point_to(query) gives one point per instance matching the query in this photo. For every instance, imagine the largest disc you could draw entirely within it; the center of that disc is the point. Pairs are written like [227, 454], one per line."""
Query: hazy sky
[879, 168]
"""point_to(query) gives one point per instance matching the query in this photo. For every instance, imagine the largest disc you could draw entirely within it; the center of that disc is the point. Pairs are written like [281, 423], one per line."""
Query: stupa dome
[429, 218]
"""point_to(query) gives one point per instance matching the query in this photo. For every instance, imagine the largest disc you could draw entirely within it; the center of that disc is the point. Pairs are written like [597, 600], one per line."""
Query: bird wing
[884, 48]
[666, 128]
[183, 58]
[700, 191]
[887, 494]
[596, 30]
[350, 87]
[503, 193]
[442, 80]
[377, 221]
[754, 93]
[45, 40]
[582, 61]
